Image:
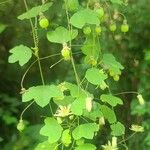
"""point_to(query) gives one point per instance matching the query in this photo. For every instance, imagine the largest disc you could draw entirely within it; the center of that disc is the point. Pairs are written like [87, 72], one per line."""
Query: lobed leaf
[86, 146]
[42, 94]
[20, 53]
[118, 129]
[111, 100]
[61, 35]
[81, 131]
[51, 129]
[35, 11]
[85, 16]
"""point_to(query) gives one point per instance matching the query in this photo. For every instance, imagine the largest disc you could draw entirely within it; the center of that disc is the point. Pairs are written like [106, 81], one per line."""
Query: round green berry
[113, 27]
[124, 27]
[98, 29]
[21, 126]
[44, 23]
[65, 52]
[100, 12]
[116, 77]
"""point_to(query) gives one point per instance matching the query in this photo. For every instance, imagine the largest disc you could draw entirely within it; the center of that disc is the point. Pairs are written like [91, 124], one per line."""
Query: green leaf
[91, 48]
[20, 53]
[111, 100]
[61, 35]
[81, 131]
[95, 113]
[84, 16]
[35, 11]
[42, 94]
[118, 129]
[51, 129]
[2, 27]
[65, 101]
[46, 146]
[78, 105]
[86, 146]
[95, 76]
[117, 2]
[111, 63]
[108, 113]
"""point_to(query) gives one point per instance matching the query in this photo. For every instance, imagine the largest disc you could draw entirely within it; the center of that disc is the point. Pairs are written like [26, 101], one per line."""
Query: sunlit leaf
[108, 113]
[118, 129]
[35, 11]
[81, 131]
[61, 35]
[46, 146]
[86, 146]
[95, 76]
[42, 94]
[52, 130]
[20, 53]
[111, 100]
[84, 16]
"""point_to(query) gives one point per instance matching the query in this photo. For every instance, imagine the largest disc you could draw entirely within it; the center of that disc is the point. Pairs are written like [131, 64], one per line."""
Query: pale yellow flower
[63, 111]
[140, 99]
[89, 104]
[111, 146]
[137, 128]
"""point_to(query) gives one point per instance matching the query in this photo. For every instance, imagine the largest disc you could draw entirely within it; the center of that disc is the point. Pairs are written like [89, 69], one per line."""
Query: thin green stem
[72, 59]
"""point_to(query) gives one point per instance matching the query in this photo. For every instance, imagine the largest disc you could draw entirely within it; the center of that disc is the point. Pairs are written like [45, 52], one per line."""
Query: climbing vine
[87, 104]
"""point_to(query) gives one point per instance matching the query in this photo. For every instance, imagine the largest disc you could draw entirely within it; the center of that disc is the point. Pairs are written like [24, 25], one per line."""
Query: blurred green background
[131, 49]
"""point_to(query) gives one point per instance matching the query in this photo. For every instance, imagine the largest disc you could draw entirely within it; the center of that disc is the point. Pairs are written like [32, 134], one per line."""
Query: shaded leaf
[111, 63]
[46, 146]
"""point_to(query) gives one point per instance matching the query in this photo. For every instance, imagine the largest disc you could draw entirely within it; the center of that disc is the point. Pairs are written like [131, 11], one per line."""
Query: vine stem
[72, 59]
[127, 138]
[35, 39]
[127, 92]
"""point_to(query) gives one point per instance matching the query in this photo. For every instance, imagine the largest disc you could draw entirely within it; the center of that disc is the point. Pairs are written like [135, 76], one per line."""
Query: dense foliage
[80, 74]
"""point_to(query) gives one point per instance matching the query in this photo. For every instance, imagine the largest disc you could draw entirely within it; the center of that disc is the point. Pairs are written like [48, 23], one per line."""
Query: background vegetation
[131, 49]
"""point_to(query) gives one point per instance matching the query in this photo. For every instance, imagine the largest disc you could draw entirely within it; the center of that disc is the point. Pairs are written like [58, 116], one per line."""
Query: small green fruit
[21, 125]
[100, 12]
[87, 30]
[72, 5]
[44, 23]
[116, 77]
[65, 52]
[124, 27]
[113, 27]
[98, 29]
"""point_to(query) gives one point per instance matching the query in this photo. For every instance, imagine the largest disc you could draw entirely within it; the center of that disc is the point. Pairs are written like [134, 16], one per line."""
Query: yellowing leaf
[42, 94]
[20, 53]
[52, 130]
